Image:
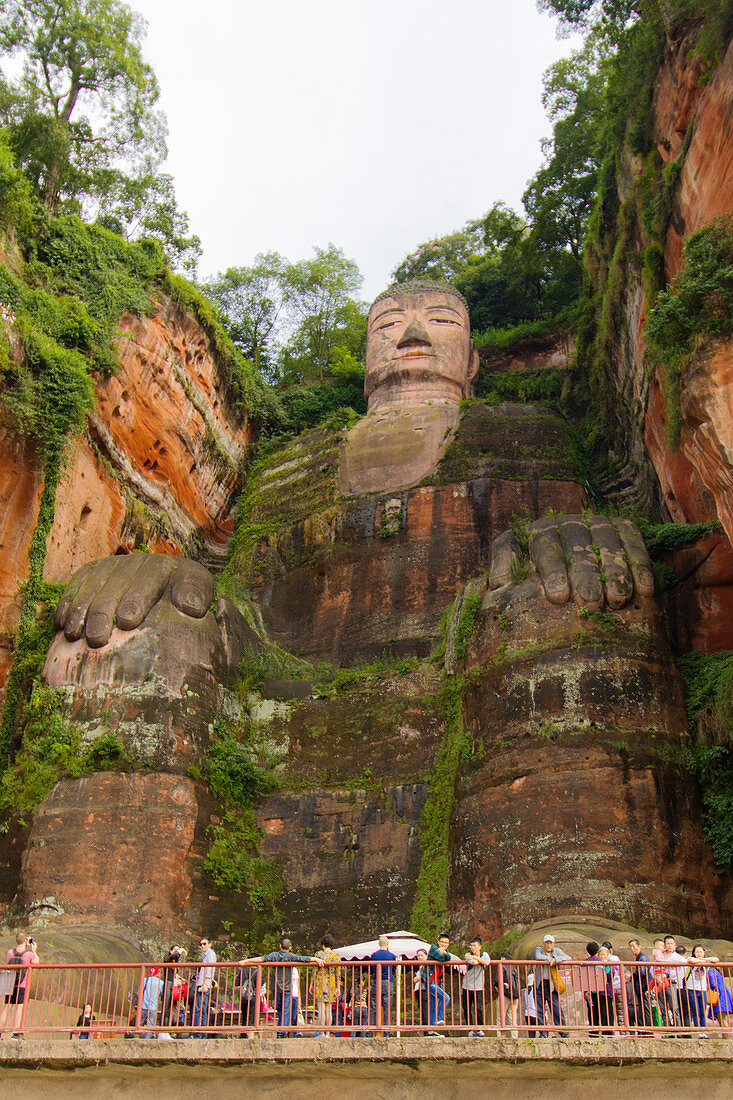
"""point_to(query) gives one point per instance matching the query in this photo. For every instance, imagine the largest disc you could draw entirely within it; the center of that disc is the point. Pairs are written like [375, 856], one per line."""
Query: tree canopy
[295, 320]
[81, 117]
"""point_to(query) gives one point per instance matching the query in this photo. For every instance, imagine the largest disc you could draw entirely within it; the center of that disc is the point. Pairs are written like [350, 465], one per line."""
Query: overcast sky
[375, 124]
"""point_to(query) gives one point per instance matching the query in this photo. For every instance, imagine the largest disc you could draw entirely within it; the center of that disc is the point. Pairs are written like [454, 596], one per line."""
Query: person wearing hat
[549, 957]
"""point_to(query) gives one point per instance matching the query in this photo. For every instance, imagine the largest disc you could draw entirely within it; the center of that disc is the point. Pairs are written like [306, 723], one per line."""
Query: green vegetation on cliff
[696, 308]
[51, 749]
[635, 196]
[709, 682]
[233, 858]
[430, 902]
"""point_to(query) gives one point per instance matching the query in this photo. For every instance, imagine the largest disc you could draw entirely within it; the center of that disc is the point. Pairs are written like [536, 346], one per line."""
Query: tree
[443, 257]
[316, 292]
[251, 301]
[81, 113]
[560, 197]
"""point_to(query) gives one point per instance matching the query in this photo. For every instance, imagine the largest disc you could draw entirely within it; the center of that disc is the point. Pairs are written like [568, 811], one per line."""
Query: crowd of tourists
[323, 994]
[673, 990]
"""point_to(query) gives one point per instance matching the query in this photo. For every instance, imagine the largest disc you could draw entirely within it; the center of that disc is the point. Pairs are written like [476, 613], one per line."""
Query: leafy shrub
[669, 536]
[51, 748]
[709, 682]
[234, 863]
[700, 302]
[232, 777]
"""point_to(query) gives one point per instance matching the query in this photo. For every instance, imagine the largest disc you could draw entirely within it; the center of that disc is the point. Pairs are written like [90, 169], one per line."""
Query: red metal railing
[518, 998]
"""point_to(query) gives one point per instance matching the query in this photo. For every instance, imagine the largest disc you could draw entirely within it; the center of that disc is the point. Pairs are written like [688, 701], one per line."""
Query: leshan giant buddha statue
[568, 656]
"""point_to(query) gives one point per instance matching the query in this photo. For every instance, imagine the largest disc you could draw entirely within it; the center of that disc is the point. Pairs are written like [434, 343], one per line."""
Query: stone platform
[393, 1069]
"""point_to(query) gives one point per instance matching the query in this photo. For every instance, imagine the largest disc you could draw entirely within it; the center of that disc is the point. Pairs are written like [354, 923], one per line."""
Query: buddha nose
[415, 333]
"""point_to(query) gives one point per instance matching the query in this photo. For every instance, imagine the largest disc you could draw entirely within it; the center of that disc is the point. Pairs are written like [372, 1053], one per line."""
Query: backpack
[15, 963]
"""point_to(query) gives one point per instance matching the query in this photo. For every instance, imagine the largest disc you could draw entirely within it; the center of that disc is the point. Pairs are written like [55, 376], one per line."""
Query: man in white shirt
[676, 975]
[546, 994]
[204, 983]
[474, 984]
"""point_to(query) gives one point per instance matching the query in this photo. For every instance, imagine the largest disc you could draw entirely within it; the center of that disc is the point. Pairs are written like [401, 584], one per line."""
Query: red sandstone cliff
[696, 479]
[157, 465]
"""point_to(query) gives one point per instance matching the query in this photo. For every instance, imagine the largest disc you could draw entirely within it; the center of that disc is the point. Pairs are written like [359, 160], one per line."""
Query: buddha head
[419, 347]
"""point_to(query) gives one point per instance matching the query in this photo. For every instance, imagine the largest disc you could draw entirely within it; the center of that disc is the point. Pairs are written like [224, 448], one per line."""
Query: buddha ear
[473, 365]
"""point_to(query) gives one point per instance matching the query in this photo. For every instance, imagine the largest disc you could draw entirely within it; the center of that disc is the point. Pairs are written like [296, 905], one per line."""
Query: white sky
[375, 124]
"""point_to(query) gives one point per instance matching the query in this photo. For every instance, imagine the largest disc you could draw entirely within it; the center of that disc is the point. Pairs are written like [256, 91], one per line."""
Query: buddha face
[419, 350]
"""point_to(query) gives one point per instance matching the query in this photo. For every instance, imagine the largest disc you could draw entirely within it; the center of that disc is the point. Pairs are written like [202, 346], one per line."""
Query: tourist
[605, 995]
[639, 1008]
[661, 984]
[86, 1017]
[617, 991]
[684, 1000]
[204, 985]
[325, 983]
[720, 999]
[670, 996]
[285, 1006]
[473, 985]
[168, 974]
[438, 999]
[19, 960]
[382, 954]
[696, 988]
[152, 990]
[592, 983]
[530, 1006]
[547, 980]
[247, 982]
[420, 987]
[179, 999]
[509, 978]
[359, 1006]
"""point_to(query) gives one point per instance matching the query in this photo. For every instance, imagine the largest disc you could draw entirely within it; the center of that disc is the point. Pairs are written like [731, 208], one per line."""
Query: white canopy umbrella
[402, 944]
[405, 945]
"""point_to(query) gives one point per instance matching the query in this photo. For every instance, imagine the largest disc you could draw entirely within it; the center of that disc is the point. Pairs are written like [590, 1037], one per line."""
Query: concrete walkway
[322, 1069]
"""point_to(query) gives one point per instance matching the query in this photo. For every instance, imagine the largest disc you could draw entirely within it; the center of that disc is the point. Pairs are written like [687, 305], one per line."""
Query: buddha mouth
[422, 351]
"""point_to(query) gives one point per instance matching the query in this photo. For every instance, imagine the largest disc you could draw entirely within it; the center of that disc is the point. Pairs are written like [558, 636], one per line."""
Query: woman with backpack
[19, 961]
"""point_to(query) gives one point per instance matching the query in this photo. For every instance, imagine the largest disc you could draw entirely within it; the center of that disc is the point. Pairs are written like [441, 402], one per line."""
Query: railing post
[258, 996]
[500, 975]
[139, 1010]
[26, 998]
[378, 1015]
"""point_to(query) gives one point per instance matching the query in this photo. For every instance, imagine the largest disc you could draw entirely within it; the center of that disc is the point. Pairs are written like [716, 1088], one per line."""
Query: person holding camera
[19, 959]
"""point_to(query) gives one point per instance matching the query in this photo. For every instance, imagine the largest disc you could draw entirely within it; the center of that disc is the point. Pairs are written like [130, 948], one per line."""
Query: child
[530, 1006]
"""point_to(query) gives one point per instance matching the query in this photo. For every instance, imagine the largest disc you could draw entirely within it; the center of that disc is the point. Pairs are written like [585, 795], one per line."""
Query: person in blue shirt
[383, 954]
[152, 989]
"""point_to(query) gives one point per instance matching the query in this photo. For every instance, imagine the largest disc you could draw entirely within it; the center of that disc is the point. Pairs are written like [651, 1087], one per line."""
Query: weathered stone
[575, 799]
[115, 847]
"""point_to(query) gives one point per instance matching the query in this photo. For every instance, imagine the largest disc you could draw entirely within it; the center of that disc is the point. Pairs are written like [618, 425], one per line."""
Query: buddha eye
[387, 324]
[442, 321]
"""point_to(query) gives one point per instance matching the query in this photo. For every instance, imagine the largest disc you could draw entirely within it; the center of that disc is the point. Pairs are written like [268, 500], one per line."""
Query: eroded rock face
[20, 490]
[159, 464]
[114, 846]
[540, 353]
[573, 800]
[344, 825]
[695, 481]
[166, 425]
